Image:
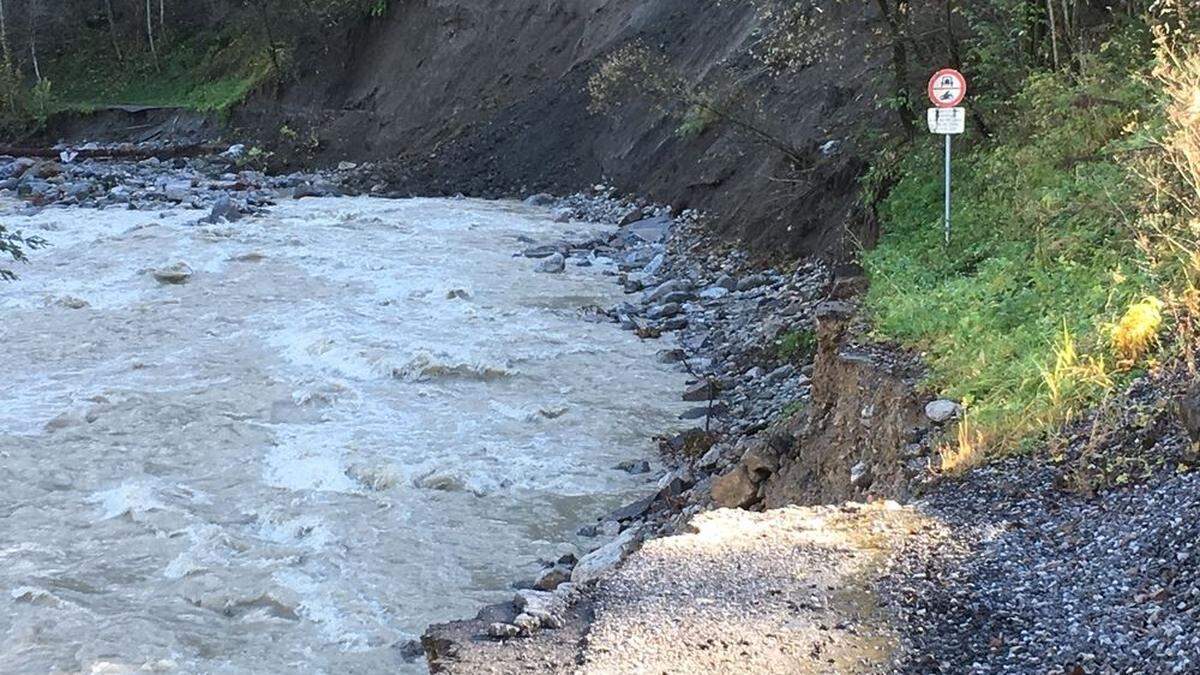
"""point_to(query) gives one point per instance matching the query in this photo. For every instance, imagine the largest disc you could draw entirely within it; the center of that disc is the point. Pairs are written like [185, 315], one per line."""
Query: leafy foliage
[13, 245]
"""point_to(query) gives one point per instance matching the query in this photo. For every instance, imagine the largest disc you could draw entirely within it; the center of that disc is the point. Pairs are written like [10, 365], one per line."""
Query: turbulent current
[356, 417]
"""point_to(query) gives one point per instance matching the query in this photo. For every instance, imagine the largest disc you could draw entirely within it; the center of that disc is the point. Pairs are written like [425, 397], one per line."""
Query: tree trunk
[1053, 32]
[899, 65]
[150, 33]
[112, 30]
[6, 52]
[34, 13]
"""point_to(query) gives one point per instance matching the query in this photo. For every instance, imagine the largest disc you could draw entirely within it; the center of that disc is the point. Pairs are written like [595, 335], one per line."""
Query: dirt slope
[489, 99]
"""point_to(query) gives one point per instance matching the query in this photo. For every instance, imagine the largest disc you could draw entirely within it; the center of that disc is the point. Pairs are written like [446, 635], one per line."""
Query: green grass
[1042, 257]
[207, 72]
[797, 345]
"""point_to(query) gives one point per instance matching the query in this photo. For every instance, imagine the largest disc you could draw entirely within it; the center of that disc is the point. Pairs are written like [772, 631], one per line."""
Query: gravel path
[786, 591]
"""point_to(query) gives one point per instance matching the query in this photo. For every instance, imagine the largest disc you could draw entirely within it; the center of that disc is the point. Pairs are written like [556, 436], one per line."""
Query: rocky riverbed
[1077, 558]
[1074, 559]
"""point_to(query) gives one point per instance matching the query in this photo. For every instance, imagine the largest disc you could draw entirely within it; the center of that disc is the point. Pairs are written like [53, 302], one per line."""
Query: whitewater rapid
[358, 417]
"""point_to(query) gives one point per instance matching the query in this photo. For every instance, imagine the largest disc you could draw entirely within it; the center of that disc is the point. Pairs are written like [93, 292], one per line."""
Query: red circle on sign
[947, 88]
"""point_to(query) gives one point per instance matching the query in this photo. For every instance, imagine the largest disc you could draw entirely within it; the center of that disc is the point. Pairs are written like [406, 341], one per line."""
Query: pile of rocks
[220, 184]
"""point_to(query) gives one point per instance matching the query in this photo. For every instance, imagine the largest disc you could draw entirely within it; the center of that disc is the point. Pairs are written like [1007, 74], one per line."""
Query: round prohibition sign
[947, 88]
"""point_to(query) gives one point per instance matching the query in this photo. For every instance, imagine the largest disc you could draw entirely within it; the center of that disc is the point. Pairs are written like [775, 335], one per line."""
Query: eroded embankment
[407, 92]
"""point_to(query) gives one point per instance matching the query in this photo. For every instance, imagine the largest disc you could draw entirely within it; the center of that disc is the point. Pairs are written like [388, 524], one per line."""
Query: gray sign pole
[947, 189]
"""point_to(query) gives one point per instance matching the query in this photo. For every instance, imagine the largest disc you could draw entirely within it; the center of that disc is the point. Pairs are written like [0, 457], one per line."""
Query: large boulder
[942, 411]
[555, 264]
[735, 489]
[179, 273]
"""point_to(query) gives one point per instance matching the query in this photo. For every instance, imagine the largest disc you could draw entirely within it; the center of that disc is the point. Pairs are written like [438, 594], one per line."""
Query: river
[357, 417]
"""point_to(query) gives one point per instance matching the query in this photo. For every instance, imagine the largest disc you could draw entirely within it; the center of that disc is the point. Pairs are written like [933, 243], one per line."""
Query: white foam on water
[300, 457]
[127, 499]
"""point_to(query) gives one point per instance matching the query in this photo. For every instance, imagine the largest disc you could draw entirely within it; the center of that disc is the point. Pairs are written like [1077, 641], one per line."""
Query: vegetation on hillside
[205, 56]
[1074, 261]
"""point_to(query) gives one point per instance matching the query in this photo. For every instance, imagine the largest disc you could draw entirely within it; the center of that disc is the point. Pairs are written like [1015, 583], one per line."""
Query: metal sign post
[947, 89]
[947, 220]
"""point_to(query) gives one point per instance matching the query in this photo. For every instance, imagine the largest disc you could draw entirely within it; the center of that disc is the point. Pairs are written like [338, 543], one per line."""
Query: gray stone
[780, 374]
[555, 264]
[655, 265]
[540, 199]
[942, 410]
[650, 230]
[543, 251]
[528, 623]
[860, 476]
[551, 578]
[717, 409]
[679, 297]
[632, 511]
[634, 467]
[178, 191]
[760, 462]
[631, 216]
[503, 631]
[664, 311]
[714, 293]
[179, 273]
[671, 356]
[599, 562]
[663, 290]
[701, 391]
[752, 282]
[224, 210]
[675, 323]
[315, 189]
[710, 458]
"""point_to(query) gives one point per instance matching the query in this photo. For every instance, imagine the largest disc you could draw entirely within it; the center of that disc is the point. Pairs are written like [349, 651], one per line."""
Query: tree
[13, 245]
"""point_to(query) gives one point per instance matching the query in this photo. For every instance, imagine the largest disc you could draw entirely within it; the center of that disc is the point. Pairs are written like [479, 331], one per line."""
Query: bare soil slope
[489, 99]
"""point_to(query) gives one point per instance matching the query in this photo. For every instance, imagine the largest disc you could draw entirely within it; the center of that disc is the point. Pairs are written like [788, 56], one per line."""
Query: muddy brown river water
[356, 418]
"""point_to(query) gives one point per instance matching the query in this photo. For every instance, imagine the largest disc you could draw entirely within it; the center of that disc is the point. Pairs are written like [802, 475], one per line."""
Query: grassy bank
[207, 72]
[1055, 289]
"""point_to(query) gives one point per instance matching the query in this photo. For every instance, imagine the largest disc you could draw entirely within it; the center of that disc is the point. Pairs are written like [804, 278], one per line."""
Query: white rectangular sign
[947, 120]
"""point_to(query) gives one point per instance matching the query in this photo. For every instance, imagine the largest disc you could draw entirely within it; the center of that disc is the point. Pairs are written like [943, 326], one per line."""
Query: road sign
[947, 88]
[947, 120]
